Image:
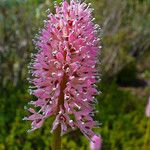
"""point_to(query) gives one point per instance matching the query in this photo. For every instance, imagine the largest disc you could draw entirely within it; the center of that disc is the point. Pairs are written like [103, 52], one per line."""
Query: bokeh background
[125, 74]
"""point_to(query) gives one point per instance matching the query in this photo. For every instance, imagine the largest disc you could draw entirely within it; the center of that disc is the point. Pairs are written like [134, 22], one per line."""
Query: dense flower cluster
[64, 70]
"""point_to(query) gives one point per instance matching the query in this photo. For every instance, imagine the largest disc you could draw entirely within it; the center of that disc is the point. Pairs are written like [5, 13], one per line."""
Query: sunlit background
[125, 74]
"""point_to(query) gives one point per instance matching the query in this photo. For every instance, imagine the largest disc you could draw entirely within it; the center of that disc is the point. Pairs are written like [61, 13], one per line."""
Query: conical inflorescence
[64, 70]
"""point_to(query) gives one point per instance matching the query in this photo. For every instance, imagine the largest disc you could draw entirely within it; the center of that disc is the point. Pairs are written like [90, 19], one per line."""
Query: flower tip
[96, 143]
[51, 131]
[25, 107]
[28, 131]
[25, 118]
[31, 102]
[47, 11]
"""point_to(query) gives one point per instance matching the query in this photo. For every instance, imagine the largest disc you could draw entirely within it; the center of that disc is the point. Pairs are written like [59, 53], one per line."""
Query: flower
[64, 70]
[96, 143]
[148, 108]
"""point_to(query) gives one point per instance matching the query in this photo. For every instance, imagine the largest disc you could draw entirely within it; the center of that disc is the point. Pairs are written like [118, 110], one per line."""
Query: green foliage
[125, 27]
[128, 74]
[122, 118]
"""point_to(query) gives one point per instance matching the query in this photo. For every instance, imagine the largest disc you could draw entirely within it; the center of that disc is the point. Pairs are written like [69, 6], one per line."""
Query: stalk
[147, 135]
[56, 142]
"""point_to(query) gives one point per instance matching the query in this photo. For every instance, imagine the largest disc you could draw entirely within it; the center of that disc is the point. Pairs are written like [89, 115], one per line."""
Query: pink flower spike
[64, 70]
[96, 143]
[148, 108]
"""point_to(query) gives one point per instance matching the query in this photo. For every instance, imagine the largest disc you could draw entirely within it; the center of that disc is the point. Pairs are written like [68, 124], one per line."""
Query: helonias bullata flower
[64, 70]
[148, 108]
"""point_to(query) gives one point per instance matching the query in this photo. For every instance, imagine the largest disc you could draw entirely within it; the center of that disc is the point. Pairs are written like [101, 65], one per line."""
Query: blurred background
[125, 74]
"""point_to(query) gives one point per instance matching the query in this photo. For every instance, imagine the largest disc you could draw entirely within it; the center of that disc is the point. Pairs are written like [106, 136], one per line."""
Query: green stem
[147, 134]
[56, 142]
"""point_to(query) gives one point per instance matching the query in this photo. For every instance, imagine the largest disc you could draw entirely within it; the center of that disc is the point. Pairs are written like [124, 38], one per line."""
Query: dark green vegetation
[125, 74]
